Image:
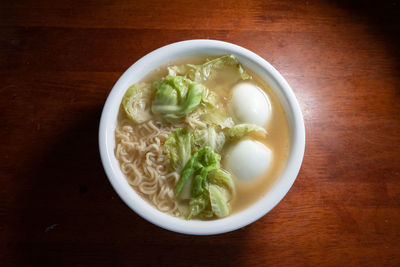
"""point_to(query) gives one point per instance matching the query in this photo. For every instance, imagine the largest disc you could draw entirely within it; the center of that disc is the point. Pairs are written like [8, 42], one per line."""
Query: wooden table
[60, 59]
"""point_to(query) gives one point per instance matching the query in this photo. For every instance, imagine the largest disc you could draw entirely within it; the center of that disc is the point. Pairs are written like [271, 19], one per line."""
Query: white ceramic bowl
[175, 52]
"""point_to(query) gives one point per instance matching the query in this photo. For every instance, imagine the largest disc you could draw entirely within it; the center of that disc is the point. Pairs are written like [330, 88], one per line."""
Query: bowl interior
[179, 51]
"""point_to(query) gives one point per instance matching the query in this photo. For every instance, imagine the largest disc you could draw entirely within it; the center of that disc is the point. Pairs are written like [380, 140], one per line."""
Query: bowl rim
[196, 227]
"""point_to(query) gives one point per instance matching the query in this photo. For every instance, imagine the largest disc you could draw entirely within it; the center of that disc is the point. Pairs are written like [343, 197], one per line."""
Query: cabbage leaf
[241, 130]
[176, 96]
[218, 200]
[179, 147]
[200, 164]
[212, 114]
[211, 186]
[137, 102]
[177, 70]
[209, 137]
[198, 205]
[218, 118]
[201, 73]
[223, 179]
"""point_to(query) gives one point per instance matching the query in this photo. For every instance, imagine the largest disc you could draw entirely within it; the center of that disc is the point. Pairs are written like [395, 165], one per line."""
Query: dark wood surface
[60, 59]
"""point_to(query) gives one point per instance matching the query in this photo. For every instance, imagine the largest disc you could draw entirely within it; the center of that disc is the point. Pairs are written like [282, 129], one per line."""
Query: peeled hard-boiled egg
[250, 104]
[248, 159]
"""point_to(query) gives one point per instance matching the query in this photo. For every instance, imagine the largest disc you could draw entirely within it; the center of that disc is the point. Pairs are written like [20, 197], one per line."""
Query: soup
[201, 138]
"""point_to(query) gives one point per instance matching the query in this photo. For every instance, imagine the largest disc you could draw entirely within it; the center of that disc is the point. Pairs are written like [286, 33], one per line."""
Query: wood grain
[59, 60]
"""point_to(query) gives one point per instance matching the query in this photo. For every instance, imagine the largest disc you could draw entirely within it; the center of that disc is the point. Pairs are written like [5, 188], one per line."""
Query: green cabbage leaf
[209, 137]
[211, 113]
[212, 187]
[179, 146]
[198, 205]
[203, 161]
[208, 70]
[175, 97]
[137, 102]
[223, 179]
[219, 201]
[240, 130]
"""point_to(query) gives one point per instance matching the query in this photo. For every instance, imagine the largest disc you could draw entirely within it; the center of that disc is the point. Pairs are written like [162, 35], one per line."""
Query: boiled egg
[248, 159]
[250, 104]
